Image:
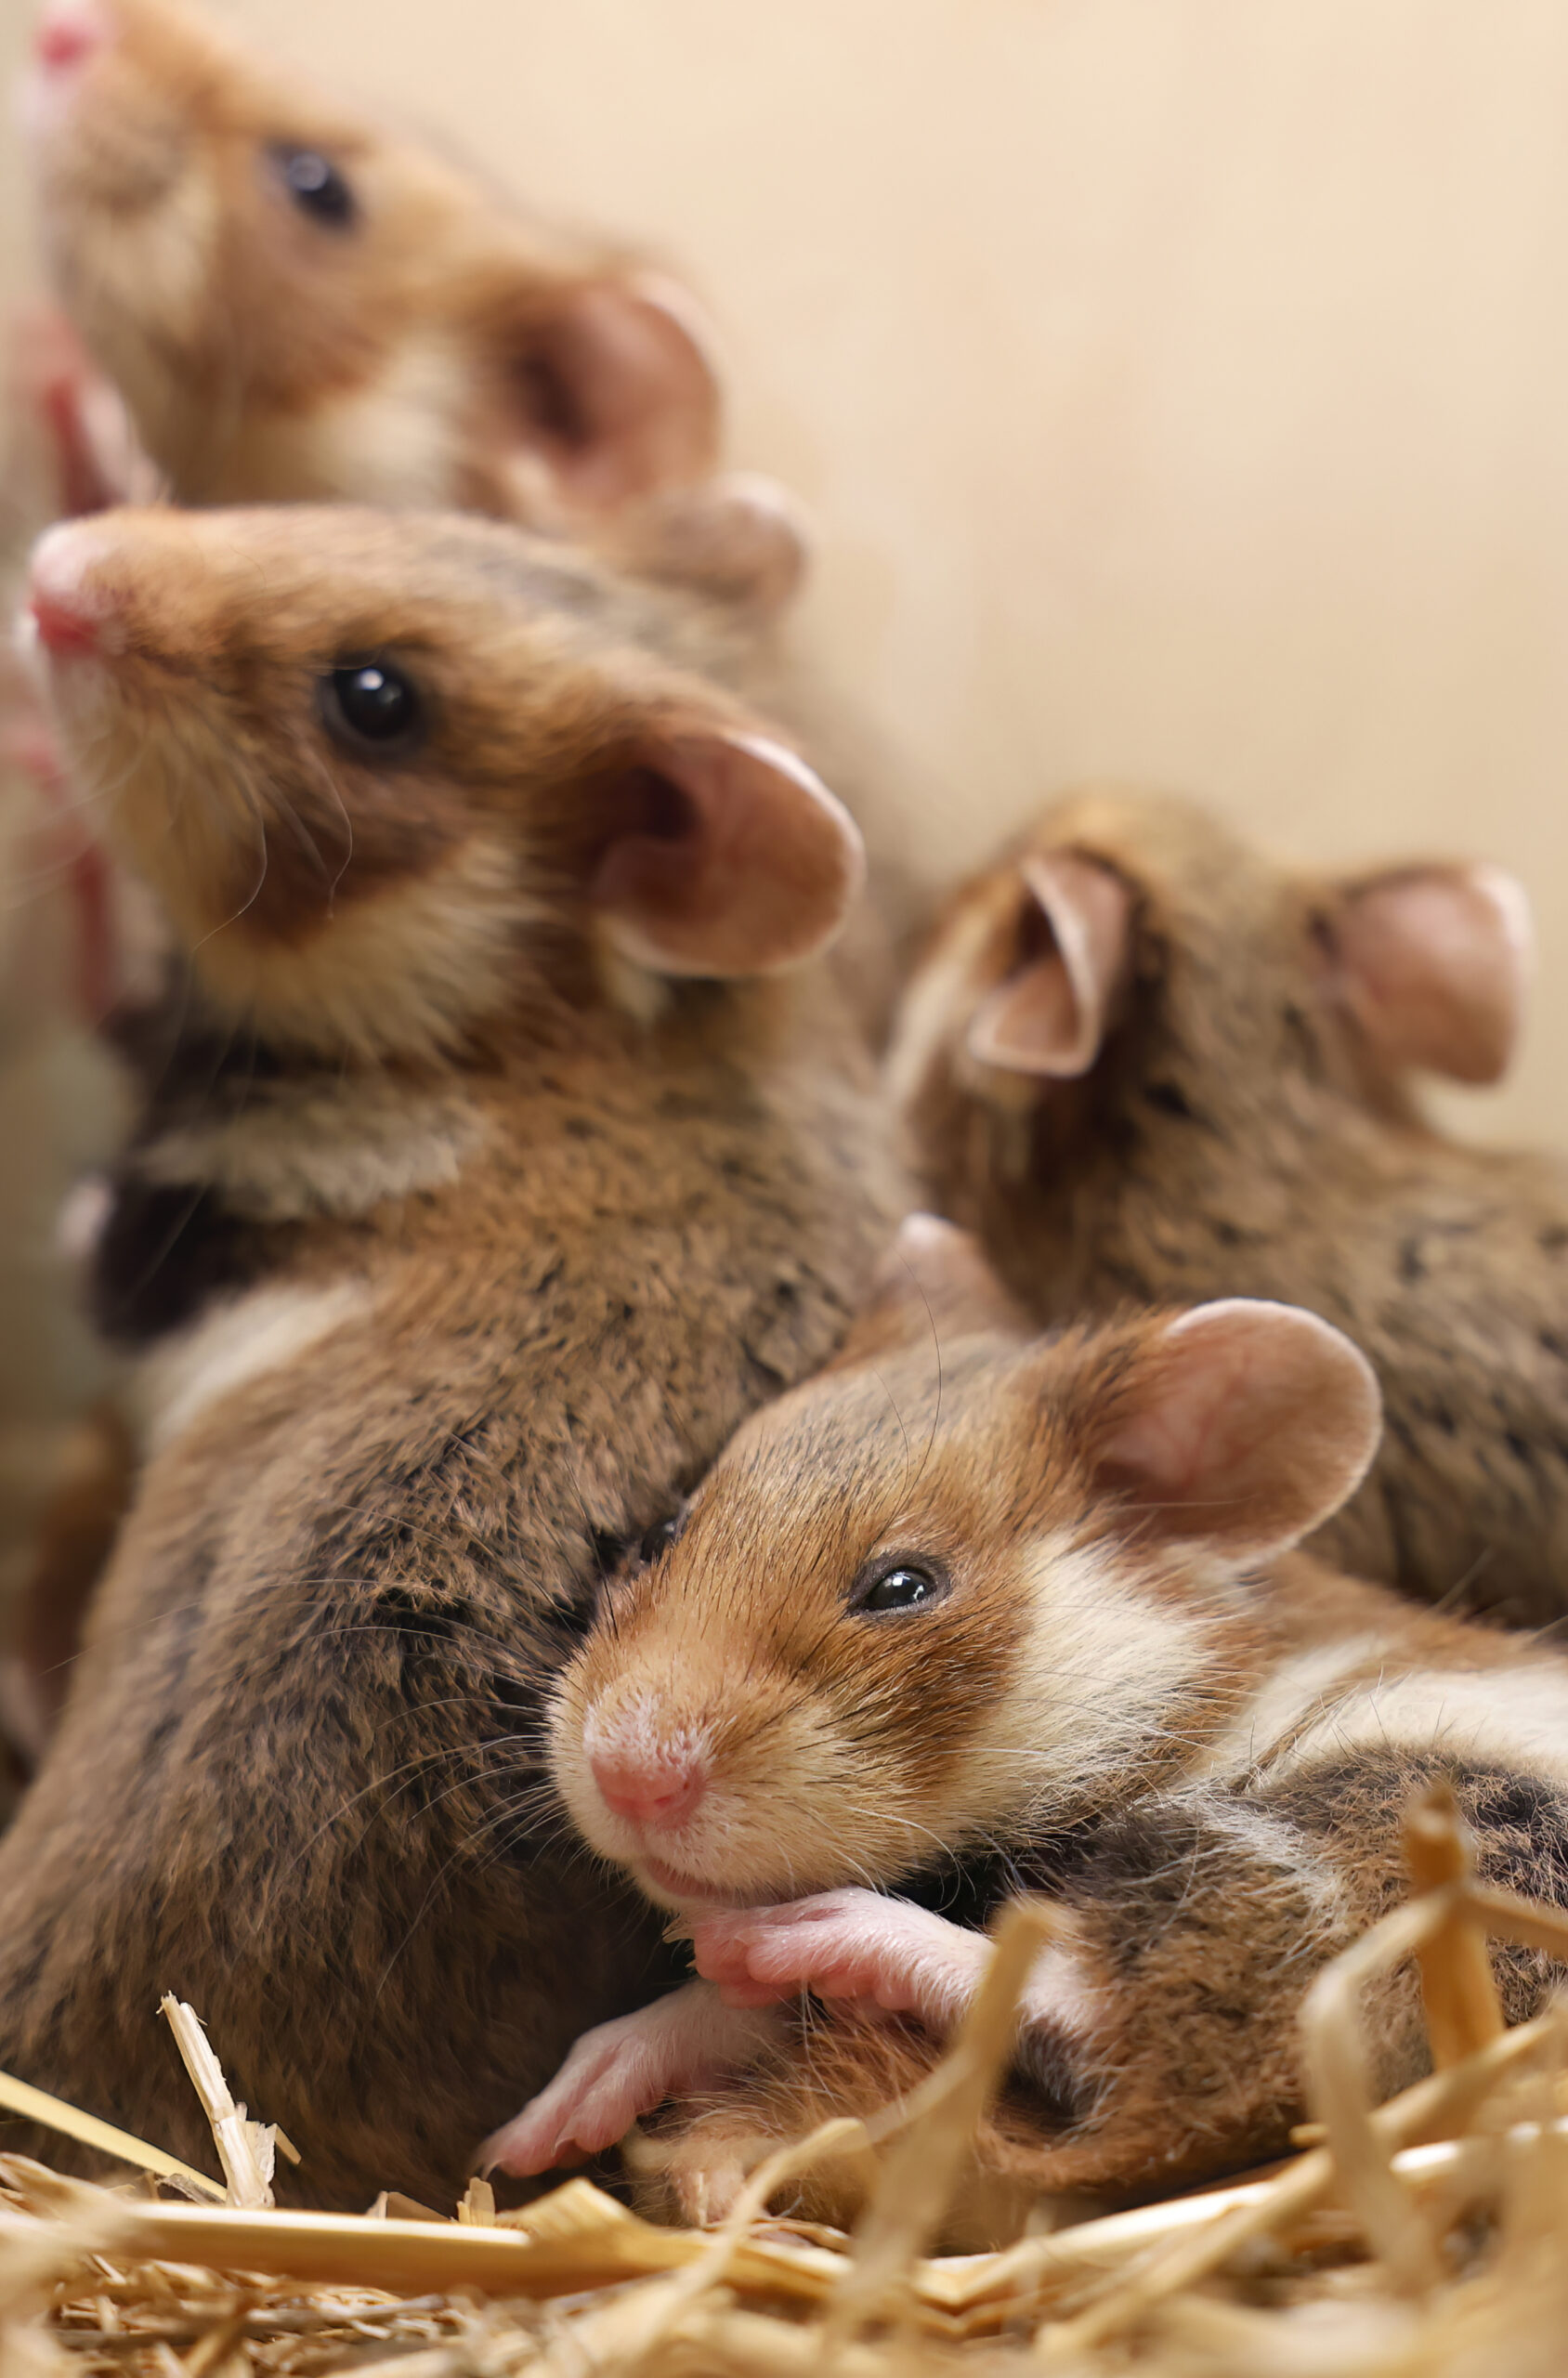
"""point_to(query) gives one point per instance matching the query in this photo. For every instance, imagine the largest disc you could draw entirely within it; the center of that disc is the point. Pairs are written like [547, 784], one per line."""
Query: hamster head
[296, 305]
[1131, 949]
[960, 1585]
[402, 782]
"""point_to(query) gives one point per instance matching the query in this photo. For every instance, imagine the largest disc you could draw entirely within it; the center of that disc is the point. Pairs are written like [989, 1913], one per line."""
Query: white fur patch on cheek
[230, 1347]
[392, 441]
[1105, 1670]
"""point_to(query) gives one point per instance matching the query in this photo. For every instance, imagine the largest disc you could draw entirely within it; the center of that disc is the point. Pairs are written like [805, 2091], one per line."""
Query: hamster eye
[316, 186]
[372, 705]
[899, 1585]
[658, 1539]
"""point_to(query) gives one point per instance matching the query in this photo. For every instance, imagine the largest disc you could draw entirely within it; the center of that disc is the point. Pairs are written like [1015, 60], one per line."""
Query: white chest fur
[230, 1346]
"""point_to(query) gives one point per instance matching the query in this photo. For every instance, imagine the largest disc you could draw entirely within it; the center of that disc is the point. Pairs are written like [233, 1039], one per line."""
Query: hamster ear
[1432, 962]
[934, 1282]
[1049, 1017]
[740, 538]
[725, 856]
[1246, 1425]
[622, 396]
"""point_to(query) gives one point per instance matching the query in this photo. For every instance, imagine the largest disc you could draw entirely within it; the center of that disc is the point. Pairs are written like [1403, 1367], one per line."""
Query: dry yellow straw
[1458, 1992]
[244, 2148]
[923, 2169]
[1447, 2097]
[53, 2113]
[1335, 2066]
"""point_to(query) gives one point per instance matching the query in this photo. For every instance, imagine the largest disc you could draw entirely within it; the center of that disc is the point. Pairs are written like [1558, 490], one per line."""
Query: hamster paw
[844, 1944]
[687, 2041]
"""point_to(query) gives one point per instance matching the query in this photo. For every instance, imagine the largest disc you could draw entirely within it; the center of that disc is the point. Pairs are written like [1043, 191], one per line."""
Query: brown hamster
[297, 304]
[1031, 1604]
[1144, 1061]
[499, 1151]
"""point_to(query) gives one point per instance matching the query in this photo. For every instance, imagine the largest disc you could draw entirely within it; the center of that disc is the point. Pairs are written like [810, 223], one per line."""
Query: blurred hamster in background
[1026, 1612]
[294, 303]
[1145, 1064]
[500, 1149]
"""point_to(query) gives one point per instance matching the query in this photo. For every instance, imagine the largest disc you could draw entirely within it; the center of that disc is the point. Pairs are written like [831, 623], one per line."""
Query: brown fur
[1240, 1135]
[298, 1780]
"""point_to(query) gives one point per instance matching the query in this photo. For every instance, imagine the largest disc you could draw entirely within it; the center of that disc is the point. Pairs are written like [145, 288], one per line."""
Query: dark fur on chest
[168, 1247]
[165, 1253]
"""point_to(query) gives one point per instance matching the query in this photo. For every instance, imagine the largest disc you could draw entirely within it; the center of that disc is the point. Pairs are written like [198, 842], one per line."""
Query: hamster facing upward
[1031, 1604]
[297, 305]
[1146, 1063]
[493, 1165]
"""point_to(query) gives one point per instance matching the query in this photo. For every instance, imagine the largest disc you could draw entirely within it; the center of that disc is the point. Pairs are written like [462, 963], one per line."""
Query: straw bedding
[1427, 2236]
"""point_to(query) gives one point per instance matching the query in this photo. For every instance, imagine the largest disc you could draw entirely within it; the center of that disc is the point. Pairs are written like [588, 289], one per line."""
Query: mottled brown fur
[1239, 1135]
[299, 1778]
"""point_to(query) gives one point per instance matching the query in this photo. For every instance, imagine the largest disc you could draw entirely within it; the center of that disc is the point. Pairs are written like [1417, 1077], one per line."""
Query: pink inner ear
[739, 860]
[628, 400]
[1433, 966]
[1050, 1018]
[1251, 1424]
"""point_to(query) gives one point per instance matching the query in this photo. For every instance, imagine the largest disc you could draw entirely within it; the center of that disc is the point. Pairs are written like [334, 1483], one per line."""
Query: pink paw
[689, 2040]
[844, 1944]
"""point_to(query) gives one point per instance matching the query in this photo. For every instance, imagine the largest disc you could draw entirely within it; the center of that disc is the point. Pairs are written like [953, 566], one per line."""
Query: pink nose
[67, 33]
[660, 1792]
[61, 628]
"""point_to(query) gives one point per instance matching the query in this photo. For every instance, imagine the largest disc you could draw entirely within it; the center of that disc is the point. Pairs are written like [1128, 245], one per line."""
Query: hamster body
[1147, 1064]
[1025, 1613]
[490, 1167]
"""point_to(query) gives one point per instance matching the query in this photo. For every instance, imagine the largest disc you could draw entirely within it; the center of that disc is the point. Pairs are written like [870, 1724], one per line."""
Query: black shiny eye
[373, 706]
[899, 1585]
[316, 186]
[658, 1539]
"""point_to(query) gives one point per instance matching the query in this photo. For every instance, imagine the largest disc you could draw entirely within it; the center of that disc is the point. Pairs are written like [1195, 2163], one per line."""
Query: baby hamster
[1146, 1063]
[499, 1151]
[1031, 1604]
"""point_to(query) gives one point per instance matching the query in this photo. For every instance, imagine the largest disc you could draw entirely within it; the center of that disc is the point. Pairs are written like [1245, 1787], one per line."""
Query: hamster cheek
[402, 970]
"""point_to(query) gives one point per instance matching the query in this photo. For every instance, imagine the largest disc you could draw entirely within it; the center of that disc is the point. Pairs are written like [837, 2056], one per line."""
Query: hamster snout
[75, 612]
[68, 34]
[650, 1779]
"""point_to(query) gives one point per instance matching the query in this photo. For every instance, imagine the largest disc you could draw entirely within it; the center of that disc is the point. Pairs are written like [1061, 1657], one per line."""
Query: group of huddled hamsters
[576, 1517]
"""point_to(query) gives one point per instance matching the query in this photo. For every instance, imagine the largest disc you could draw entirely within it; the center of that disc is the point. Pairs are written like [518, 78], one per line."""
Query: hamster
[1143, 1062]
[1028, 1610]
[298, 305]
[500, 1149]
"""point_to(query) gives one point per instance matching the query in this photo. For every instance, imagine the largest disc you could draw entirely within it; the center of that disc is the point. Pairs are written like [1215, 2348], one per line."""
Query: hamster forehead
[930, 1451]
[325, 585]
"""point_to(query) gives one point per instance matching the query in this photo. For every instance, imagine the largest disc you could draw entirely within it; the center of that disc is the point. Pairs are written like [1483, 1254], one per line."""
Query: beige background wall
[1181, 385]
